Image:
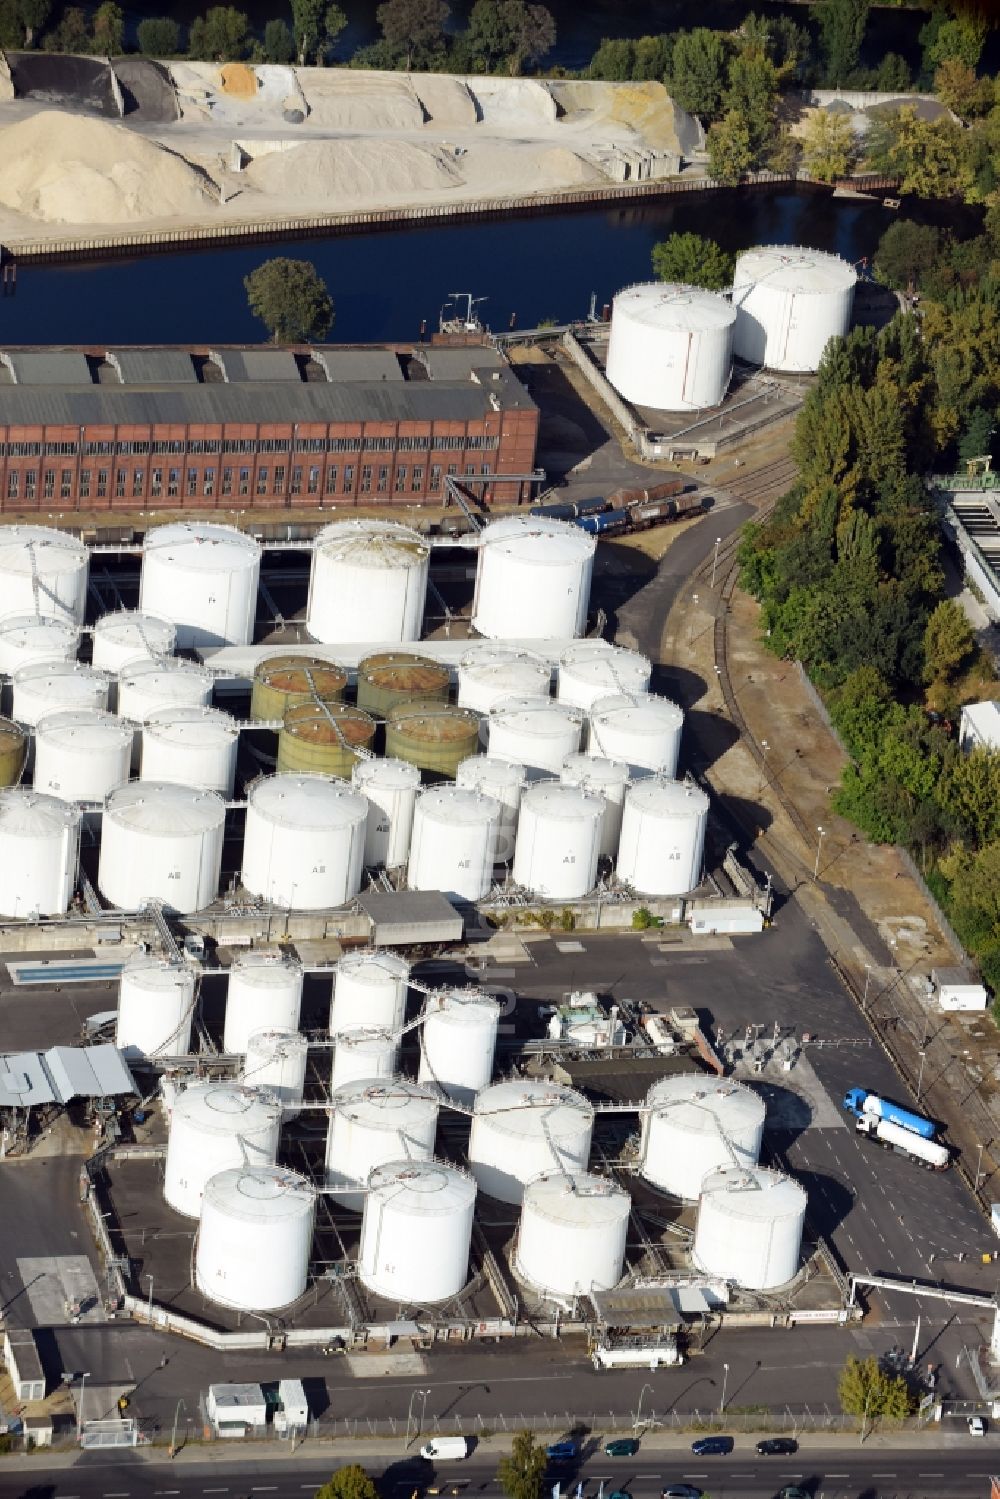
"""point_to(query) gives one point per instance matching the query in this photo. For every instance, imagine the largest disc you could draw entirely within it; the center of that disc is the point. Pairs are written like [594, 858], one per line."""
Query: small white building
[979, 727]
[292, 1413]
[20, 1354]
[236, 1409]
[957, 989]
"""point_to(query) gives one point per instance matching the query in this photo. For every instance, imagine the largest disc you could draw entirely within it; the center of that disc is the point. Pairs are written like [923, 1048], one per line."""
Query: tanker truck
[865, 1105]
[894, 1137]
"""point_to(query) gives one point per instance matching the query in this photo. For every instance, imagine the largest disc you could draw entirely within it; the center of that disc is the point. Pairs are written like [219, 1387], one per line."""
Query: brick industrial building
[265, 428]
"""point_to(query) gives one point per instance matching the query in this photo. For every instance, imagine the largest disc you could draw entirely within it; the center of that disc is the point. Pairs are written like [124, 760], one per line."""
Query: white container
[749, 1227]
[255, 1238]
[161, 842]
[265, 993]
[391, 787]
[607, 778]
[524, 1128]
[591, 670]
[47, 686]
[304, 843]
[671, 346]
[457, 1041]
[694, 1124]
[42, 571]
[640, 728]
[558, 841]
[535, 733]
[416, 1232]
[662, 846]
[39, 853]
[454, 842]
[193, 746]
[491, 674]
[202, 578]
[363, 1052]
[81, 754]
[368, 582]
[504, 782]
[155, 1007]
[129, 635]
[27, 639]
[533, 579]
[372, 1123]
[148, 687]
[789, 303]
[572, 1234]
[276, 1062]
[369, 988]
[216, 1127]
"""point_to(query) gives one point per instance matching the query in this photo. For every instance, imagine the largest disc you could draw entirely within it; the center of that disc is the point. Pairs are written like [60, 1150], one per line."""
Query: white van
[445, 1449]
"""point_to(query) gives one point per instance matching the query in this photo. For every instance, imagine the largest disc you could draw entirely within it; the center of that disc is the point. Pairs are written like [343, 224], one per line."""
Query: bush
[159, 36]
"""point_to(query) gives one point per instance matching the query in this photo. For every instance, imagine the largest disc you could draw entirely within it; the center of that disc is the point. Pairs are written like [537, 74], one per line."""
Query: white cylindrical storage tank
[216, 1127]
[304, 843]
[558, 841]
[591, 670]
[749, 1228]
[27, 639]
[492, 674]
[694, 1124]
[416, 1232]
[572, 1234]
[524, 1128]
[369, 988]
[162, 842]
[203, 579]
[368, 582]
[148, 687]
[391, 787]
[662, 846]
[607, 778]
[789, 303]
[504, 782]
[457, 1041]
[47, 686]
[155, 1007]
[43, 571]
[534, 733]
[640, 728]
[671, 346]
[265, 993]
[363, 1051]
[454, 842]
[276, 1062]
[39, 853]
[129, 635]
[81, 754]
[255, 1238]
[533, 579]
[372, 1123]
[194, 746]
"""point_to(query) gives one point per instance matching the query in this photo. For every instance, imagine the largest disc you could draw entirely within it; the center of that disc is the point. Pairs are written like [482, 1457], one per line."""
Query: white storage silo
[671, 346]
[129, 635]
[265, 993]
[164, 842]
[373, 1122]
[489, 675]
[694, 1124]
[369, 988]
[156, 1000]
[304, 843]
[504, 782]
[46, 686]
[591, 669]
[194, 746]
[43, 571]
[146, 687]
[558, 841]
[640, 728]
[662, 845]
[39, 853]
[391, 787]
[203, 579]
[789, 303]
[368, 582]
[255, 1238]
[363, 1051]
[524, 1128]
[607, 778]
[535, 733]
[81, 754]
[572, 1234]
[533, 579]
[216, 1127]
[416, 1232]
[27, 639]
[749, 1228]
[457, 1041]
[454, 843]
[276, 1061]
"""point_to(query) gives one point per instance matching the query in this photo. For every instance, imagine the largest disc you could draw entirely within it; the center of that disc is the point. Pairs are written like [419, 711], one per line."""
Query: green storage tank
[280, 682]
[321, 738]
[391, 679]
[12, 751]
[433, 736]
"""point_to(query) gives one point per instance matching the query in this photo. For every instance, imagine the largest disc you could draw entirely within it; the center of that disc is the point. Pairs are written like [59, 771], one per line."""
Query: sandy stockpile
[70, 169]
[645, 108]
[347, 100]
[501, 168]
[237, 94]
[513, 101]
[335, 174]
[446, 100]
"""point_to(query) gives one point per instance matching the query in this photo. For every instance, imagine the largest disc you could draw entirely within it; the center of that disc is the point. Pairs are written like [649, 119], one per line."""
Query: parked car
[777, 1447]
[622, 1447]
[712, 1446]
[562, 1452]
[681, 1491]
[977, 1426]
[445, 1449]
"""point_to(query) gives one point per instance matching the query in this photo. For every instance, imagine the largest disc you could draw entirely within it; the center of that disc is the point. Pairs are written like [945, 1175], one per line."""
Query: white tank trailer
[640, 728]
[671, 346]
[749, 1227]
[161, 842]
[155, 1008]
[391, 787]
[47, 686]
[39, 853]
[504, 782]
[129, 635]
[662, 845]
[534, 732]
[304, 843]
[533, 579]
[276, 1062]
[523, 1128]
[558, 841]
[192, 746]
[372, 1122]
[368, 582]
[416, 1232]
[265, 993]
[572, 1234]
[607, 778]
[693, 1125]
[216, 1127]
[369, 988]
[590, 670]
[202, 578]
[491, 675]
[364, 1052]
[30, 639]
[81, 754]
[43, 571]
[789, 303]
[255, 1238]
[454, 842]
[457, 1041]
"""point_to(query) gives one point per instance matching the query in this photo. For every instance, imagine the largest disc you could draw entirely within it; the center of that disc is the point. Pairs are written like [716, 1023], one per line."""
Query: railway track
[762, 489]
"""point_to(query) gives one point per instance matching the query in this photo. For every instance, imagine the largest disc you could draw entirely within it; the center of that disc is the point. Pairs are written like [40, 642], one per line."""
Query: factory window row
[250, 446]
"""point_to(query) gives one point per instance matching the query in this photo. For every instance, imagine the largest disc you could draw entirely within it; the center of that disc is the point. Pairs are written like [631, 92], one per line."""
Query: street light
[715, 560]
[725, 1381]
[694, 600]
[979, 1164]
[864, 1418]
[868, 979]
[409, 1414]
[79, 1410]
[819, 850]
[172, 1449]
[920, 1075]
[638, 1415]
[764, 747]
[150, 1304]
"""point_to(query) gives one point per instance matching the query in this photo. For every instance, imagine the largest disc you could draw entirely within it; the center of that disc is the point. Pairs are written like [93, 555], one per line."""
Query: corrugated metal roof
[258, 364]
[359, 364]
[30, 1078]
[48, 367]
[458, 364]
[154, 366]
[23, 1081]
[412, 916]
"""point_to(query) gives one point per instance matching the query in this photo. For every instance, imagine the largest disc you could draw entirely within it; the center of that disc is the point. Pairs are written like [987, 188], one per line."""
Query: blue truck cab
[861, 1102]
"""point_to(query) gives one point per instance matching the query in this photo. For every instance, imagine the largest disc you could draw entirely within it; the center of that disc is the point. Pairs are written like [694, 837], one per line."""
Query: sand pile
[354, 173]
[499, 168]
[346, 100]
[69, 169]
[447, 101]
[513, 101]
[237, 79]
[645, 108]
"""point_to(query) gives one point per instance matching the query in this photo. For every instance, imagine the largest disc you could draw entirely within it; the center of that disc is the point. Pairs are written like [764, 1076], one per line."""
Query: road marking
[930, 1475]
[263, 1488]
[883, 1475]
[215, 1491]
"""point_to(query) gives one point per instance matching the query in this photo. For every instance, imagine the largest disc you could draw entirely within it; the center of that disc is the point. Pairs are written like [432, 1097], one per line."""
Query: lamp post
[864, 1418]
[150, 1301]
[979, 1164]
[715, 560]
[638, 1415]
[764, 747]
[409, 1414]
[694, 600]
[725, 1381]
[819, 850]
[79, 1412]
[920, 1074]
[868, 979]
[172, 1449]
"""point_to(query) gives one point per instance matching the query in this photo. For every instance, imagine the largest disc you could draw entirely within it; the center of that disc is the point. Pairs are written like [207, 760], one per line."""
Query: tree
[694, 261]
[959, 36]
[291, 300]
[412, 26]
[752, 93]
[334, 22]
[652, 58]
[159, 36]
[32, 15]
[279, 44]
[532, 33]
[520, 1475]
[828, 145]
[109, 29]
[72, 35]
[948, 643]
[893, 74]
[508, 33]
[220, 35]
[958, 87]
[730, 153]
[977, 439]
[905, 253]
[928, 156]
[697, 71]
[11, 26]
[316, 25]
[842, 30]
[614, 60]
[350, 1482]
[865, 1389]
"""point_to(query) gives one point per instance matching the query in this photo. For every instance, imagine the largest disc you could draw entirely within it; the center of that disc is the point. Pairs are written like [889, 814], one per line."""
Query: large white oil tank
[373, 1122]
[43, 571]
[533, 579]
[590, 670]
[129, 635]
[255, 1238]
[276, 1061]
[749, 1228]
[363, 1051]
[693, 1124]
[193, 745]
[640, 728]
[304, 843]
[558, 841]
[789, 303]
[607, 778]
[662, 845]
[146, 687]
[369, 988]
[46, 686]
[202, 578]
[523, 1128]
[216, 1127]
[156, 1000]
[671, 346]
[39, 853]
[504, 782]
[458, 1040]
[265, 993]
[391, 787]
[492, 673]
[454, 843]
[416, 1232]
[572, 1235]
[81, 754]
[164, 842]
[27, 639]
[535, 733]
[368, 582]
